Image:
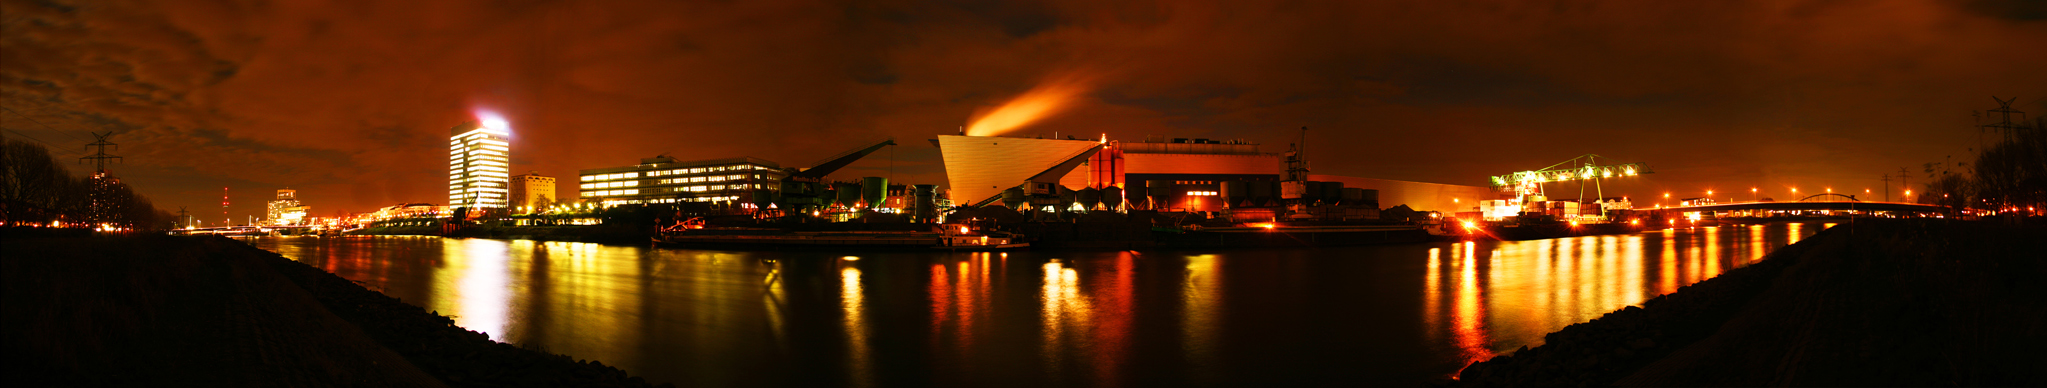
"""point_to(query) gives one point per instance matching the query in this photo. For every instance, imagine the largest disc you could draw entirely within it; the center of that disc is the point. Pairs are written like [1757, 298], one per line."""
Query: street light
[1753, 196]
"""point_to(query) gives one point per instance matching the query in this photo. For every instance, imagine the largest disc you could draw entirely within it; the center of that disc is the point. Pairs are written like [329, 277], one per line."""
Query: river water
[1391, 315]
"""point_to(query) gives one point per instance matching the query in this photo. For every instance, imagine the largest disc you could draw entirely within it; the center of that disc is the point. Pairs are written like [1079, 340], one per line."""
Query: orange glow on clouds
[1049, 98]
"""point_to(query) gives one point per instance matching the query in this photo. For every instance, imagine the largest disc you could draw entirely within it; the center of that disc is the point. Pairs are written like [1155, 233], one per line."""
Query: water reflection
[1377, 315]
[482, 286]
[853, 301]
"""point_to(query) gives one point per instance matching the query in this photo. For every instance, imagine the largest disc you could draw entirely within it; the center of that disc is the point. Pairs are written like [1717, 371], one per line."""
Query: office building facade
[286, 209]
[662, 179]
[479, 166]
[531, 192]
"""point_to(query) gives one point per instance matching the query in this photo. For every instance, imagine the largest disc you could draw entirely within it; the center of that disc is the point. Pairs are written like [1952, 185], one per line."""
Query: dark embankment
[1882, 303]
[210, 311]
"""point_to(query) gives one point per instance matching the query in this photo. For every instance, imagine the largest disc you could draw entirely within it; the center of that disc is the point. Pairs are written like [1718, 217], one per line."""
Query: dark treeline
[2009, 174]
[37, 189]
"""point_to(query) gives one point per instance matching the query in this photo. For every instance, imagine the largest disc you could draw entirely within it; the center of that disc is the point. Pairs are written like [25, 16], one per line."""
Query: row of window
[616, 202]
[679, 171]
[1203, 193]
[719, 178]
[606, 177]
[700, 170]
[682, 189]
[608, 185]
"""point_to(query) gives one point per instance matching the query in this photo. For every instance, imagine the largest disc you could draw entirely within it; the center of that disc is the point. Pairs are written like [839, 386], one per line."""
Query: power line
[52, 147]
[47, 126]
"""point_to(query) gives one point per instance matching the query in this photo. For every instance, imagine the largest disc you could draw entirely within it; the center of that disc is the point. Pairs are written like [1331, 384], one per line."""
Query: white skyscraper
[479, 164]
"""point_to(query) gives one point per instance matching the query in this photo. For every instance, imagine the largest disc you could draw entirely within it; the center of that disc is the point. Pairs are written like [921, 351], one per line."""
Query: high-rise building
[532, 190]
[663, 179]
[286, 209]
[479, 163]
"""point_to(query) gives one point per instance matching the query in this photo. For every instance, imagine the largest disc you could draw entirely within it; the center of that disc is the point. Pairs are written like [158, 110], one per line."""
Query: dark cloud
[349, 101]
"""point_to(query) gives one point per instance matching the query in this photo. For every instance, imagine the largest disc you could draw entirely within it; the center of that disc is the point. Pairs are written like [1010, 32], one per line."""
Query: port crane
[801, 188]
[1583, 168]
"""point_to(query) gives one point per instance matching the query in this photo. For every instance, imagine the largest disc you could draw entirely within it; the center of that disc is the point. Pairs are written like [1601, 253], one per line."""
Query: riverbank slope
[1870, 303]
[210, 311]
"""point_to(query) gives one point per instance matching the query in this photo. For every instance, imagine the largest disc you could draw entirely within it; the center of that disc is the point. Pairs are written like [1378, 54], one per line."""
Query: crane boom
[837, 162]
[1579, 168]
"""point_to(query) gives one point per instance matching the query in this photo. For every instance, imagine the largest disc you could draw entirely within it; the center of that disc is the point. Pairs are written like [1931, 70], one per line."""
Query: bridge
[1808, 204]
[243, 230]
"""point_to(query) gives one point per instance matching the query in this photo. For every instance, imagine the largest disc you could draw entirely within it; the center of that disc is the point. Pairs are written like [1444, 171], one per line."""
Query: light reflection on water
[1373, 315]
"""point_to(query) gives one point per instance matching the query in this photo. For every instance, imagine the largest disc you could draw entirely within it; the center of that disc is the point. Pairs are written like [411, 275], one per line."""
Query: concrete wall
[1421, 196]
[1137, 163]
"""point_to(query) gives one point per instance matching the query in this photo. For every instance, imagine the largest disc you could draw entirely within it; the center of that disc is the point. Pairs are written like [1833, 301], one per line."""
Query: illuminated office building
[479, 162]
[286, 209]
[663, 179]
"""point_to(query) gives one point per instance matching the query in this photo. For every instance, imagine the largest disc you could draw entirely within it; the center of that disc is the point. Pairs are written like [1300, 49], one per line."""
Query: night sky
[351, 101]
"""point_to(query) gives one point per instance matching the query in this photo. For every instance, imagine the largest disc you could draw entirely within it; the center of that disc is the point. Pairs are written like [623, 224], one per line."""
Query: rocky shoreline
[159, 310]
[1879, 302]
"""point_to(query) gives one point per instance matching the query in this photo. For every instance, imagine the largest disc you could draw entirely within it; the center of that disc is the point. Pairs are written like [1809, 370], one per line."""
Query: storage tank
[874, 191]
[1235, 192]
[1370, 197]
[1013, 198]
[1311, 192]
[1112, 196]
[848, 193]
[1088, 197]
[1332, 192]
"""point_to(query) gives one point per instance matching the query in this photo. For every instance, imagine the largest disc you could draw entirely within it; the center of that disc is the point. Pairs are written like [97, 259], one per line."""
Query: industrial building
[1179, 174]
[532, 191]
[479, 165]
[662, 179]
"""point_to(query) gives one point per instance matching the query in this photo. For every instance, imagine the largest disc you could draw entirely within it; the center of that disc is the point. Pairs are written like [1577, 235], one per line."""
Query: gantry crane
[1582, 168]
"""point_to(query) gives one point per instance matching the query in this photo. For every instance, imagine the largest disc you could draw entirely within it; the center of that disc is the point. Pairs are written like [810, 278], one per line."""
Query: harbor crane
[801, 188]
[1583, 168]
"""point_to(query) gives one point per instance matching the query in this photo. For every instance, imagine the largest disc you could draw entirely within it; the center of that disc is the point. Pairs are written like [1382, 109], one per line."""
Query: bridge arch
[1809, 198]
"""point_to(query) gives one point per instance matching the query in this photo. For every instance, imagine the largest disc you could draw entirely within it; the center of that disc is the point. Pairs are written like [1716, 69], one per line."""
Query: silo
[848, 193]
[1159, 191]
[1369, 197]
[1013, 198]
[1088, 197]
[1112, 196]
[1353, 195]
[925, 205]
[1235, 192]
[874, 191]
[1311, 192]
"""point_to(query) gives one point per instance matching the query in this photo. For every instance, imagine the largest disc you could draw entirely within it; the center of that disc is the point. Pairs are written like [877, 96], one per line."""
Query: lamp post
[1754, 196]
